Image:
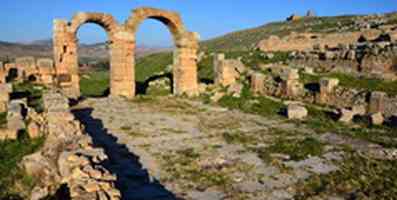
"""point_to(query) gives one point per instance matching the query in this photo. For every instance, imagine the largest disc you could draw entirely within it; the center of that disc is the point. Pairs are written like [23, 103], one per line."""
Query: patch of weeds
[238, 137]
[125, 128]
[296, 149]
[135, 134]
[250, 104]
[11, 175]
[33, 93]
[95, 83]
[359, 177]
[350, 81]
[323, 122]
[183, 165]
[173, 130]
[3, 119]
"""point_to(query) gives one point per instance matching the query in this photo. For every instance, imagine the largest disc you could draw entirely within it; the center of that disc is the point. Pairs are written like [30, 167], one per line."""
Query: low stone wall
[68, 161]
[306, 41]
[41, 70]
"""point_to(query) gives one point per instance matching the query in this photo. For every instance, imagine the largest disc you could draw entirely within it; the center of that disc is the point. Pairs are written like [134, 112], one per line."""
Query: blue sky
[27, 20]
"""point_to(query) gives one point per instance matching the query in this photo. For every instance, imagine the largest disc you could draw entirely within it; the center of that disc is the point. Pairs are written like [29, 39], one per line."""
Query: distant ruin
[122, 51]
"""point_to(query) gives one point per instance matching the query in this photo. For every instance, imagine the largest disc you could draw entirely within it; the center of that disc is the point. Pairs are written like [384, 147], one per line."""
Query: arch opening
[153, 73]
[93, 54]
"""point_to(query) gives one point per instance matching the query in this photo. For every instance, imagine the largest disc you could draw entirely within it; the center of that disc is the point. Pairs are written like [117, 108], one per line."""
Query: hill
[87, 52]
[247, 39]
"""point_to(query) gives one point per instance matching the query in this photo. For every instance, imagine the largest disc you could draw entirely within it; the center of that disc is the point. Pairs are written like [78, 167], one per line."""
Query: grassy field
[346, 80]
[12, 177]
[96, 82]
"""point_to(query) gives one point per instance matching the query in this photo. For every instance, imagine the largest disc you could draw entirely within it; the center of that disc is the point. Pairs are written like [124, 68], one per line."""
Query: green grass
[152, 64]
[250, 104]
[297, 149]
[323, 122]
[359, 178]
[94, 83]
[11, 153]
[33, 93]
[349, 81]
[3, 119]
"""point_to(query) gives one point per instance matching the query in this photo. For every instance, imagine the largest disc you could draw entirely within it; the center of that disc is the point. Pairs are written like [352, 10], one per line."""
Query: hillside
[87, 52]
[247, 39]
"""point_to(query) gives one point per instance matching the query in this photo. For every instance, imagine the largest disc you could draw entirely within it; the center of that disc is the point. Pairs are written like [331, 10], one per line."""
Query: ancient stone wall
[122, 51]
[306, 41]
[68, 160]
[41, 70]
[227, 71]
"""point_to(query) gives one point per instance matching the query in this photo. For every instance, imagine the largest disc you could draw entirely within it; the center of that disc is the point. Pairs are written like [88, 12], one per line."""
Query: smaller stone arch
[66, 45]
[106, 21]
[185, 56]
[170, 19]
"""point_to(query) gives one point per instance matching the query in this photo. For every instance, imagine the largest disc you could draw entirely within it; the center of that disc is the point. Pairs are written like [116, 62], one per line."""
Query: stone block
[295, 111]
[328, 84]
[289, 74]
[257, 83]
[346, 115]
[34, 130]
[359, 110]
[291, 88]
[8, 134]
[377, 119]
[377, 102]
[3, 106]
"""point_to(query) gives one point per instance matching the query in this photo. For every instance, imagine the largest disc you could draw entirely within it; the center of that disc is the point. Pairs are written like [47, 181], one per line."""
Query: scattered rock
[376, 119]
[295, 111]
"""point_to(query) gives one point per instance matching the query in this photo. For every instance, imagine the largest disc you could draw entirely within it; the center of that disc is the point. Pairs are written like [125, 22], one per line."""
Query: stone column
[65, 56]
[257, 83]
[327, 86]
[185, 65]
[290, 85]
[377, 102]
[5, 90]
[122, 69]
[225, 73]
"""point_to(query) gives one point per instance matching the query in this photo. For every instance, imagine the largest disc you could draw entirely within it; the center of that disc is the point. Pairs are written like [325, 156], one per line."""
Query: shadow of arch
[133, 181]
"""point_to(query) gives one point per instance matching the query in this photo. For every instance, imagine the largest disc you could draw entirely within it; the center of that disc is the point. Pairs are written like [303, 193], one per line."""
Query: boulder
[295, 111]
[377, 119]
[8, 134]
[235, 89]
[34, 130]
[346, 115]
[217, 96]
[377, 102]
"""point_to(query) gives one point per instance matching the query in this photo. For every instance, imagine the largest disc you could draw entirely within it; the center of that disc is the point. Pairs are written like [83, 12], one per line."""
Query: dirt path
[172, 148]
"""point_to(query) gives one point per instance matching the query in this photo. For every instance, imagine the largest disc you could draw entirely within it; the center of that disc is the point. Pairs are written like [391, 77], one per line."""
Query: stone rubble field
[199, 151]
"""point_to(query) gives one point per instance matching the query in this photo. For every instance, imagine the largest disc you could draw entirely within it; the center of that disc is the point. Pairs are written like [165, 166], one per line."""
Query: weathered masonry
[122, 51]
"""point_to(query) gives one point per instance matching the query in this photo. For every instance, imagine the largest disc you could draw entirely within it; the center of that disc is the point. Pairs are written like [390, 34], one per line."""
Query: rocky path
[178, 149]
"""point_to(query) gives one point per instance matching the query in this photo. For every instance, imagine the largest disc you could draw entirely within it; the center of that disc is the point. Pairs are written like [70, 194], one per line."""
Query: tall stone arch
[185, 54]
[66, 57]
[122, 51]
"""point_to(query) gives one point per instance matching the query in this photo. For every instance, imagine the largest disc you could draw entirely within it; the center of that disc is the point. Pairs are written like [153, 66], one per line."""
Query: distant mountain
[43, 48]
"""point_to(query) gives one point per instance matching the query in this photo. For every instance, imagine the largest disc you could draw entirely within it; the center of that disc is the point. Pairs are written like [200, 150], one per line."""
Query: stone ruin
[376, 57]
[40, 70]
[285, 83]
[122, 50]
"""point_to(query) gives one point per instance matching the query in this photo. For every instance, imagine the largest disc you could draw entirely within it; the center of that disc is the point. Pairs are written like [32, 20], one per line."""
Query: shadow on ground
[133, 181]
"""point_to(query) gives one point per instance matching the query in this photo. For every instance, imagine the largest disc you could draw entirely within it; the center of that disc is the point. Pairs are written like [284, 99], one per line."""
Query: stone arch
[66, 45]
[122, 51]
[185, 54]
